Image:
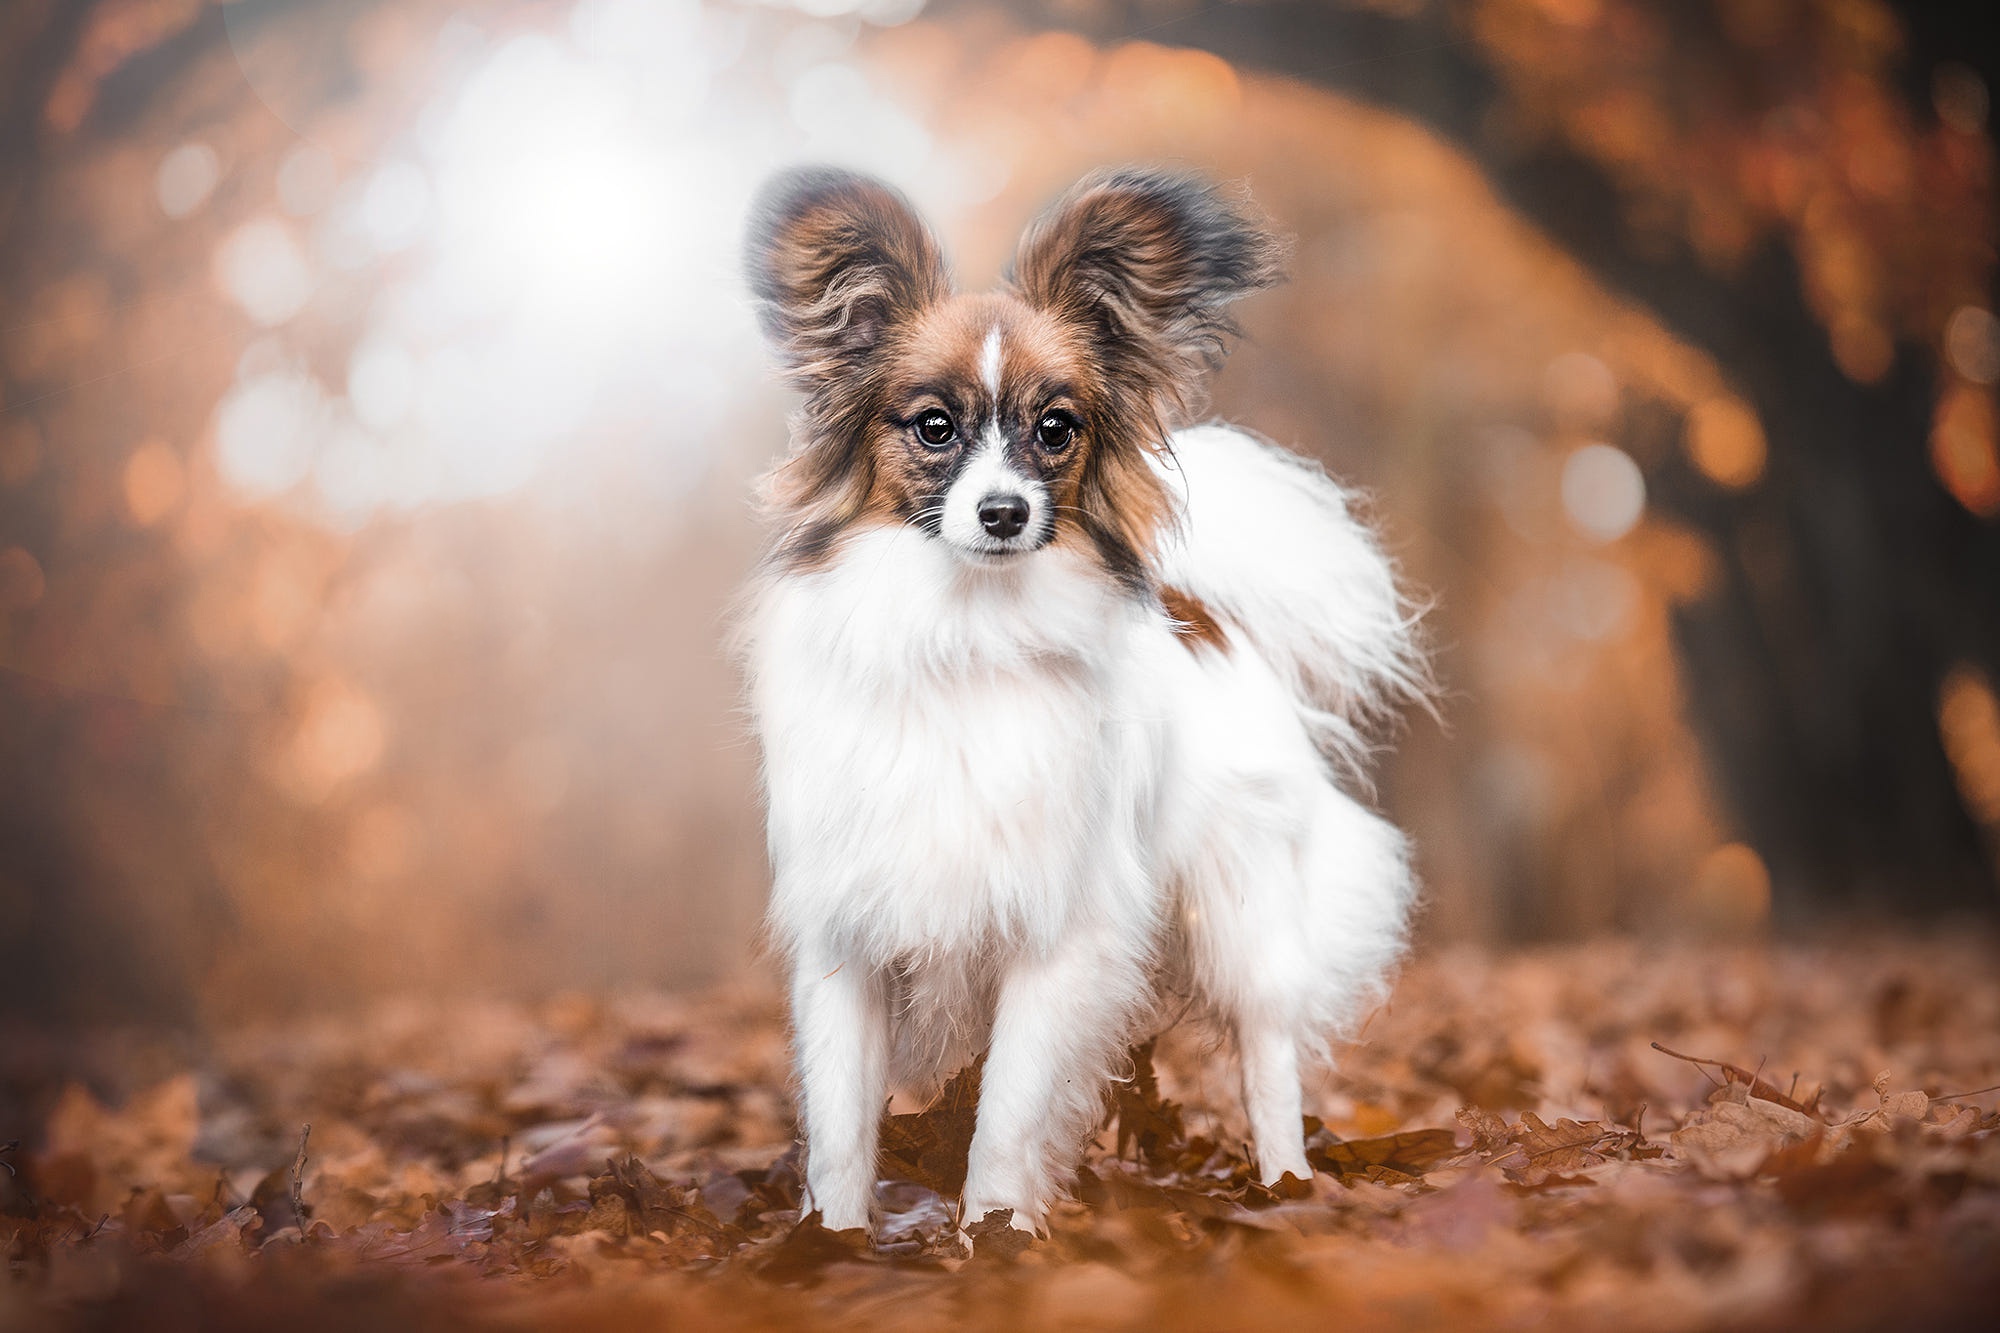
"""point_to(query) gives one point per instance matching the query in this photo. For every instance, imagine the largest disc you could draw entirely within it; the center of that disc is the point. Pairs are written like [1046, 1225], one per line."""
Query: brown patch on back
[1193, 622]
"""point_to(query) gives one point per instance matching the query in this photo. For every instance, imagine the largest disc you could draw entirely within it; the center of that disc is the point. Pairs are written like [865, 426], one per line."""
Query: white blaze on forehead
[989, 361]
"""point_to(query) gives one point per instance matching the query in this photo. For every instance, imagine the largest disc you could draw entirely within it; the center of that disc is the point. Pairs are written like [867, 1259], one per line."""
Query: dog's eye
[1055, 431]
[934, 428]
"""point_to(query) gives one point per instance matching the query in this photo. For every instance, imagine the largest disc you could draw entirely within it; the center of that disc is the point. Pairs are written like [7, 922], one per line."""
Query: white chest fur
[958, 759]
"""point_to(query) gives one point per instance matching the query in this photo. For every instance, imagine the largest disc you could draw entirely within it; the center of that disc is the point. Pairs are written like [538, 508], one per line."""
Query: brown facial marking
[1113, 316]
[1107, 500]
[840, 265]
[1193, 622]
[943, 366]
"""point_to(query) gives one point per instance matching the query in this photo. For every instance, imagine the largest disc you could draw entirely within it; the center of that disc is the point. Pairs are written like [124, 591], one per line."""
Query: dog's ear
[1148, 262]
[836, 260]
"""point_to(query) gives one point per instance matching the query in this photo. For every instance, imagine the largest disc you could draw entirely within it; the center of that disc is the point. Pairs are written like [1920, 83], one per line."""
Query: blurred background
[379, 405]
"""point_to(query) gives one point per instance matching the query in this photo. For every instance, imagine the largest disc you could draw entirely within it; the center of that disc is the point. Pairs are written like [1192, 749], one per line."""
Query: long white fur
[1269, 541]
[1009, 807]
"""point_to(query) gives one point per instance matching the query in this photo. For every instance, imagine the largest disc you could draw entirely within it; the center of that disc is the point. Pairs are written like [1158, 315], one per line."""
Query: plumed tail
[1270, 545]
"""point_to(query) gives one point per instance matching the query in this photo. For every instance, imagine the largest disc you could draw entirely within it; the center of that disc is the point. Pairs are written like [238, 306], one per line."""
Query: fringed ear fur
[1148, 262]
[838, 263]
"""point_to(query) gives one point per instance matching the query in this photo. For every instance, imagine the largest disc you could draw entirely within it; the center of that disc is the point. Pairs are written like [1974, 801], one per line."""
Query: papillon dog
[1056, 692]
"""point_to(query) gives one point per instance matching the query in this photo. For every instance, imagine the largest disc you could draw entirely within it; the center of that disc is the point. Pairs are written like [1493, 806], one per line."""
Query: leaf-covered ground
[1505, 1147]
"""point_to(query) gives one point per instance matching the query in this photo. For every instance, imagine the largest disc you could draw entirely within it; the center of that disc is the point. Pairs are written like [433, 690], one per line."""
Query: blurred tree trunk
[1853, 581]
[70, 949]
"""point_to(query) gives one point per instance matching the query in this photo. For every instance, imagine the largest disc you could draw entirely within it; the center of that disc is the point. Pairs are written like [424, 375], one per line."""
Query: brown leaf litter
[1517, 1140]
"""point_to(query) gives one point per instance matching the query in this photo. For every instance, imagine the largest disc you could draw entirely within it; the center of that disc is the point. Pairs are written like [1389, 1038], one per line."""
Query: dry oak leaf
[995, 1236]
[929, 1147]
[1409, 1154]
[1893, 1107]
[1489, 1132]
[1547, 1151]
[1733, 1137]
[1150, 1128]
[94, 1157]
[802, 1255]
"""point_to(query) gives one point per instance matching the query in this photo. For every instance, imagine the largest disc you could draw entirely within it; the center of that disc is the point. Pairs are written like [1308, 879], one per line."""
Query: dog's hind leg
[1295, 915]
[1269, 1054]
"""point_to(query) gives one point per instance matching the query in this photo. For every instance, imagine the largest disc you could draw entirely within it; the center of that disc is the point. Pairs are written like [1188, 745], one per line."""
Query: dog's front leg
[1270, 1058]
[840, 1016]
[1059, 1026]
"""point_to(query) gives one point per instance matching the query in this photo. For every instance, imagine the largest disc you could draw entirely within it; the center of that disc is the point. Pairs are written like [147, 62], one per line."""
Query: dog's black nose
[1003, 516]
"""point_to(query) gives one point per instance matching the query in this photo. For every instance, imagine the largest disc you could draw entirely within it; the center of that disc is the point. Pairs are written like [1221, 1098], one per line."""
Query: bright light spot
[646, 31]
[1965, 448]
[808, 45]
[1731, 894]
[306, 180]
[267, 430]
[340, 736]
[844, 119]
[664, 53]
[1603, 492]
[1972, 344]
[1726, 442]
[545, 197]
[486, 417]
[1969, 724]
[828, 95]
[568, 207]
[341, 238]
[352, 474]
[154, 481]
[262, 269]
[381, 383]
[358, 473]
[890, 13]
[186, 177]
[394, 206]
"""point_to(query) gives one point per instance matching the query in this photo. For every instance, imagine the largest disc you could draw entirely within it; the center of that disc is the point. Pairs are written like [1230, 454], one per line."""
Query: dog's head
[999, 422]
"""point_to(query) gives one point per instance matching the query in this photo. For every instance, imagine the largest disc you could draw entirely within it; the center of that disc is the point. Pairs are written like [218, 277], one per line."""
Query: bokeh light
[1965, 448]
[1972, 344]
[1732, 890]
[1726, 442]
[1969, 720]
[186, 176]
[1603, 492]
